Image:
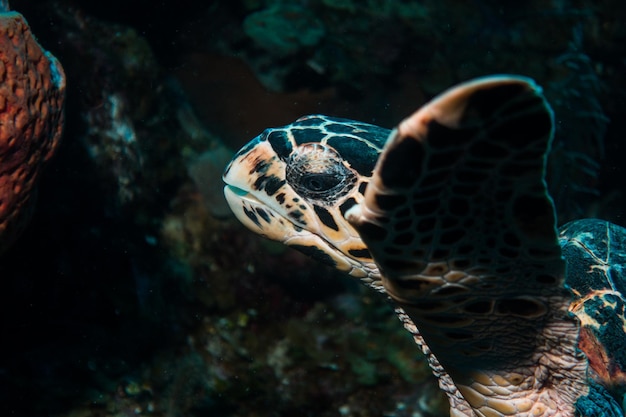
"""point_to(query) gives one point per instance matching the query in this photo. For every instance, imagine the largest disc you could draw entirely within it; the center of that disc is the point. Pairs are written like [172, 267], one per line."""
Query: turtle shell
[595, 254]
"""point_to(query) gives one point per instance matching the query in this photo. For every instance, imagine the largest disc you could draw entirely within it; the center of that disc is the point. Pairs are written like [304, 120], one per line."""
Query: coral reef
[578, 149]
[32, 95]
[283, 29]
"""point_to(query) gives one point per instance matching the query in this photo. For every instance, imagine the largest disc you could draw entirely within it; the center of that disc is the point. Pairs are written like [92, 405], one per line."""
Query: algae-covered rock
[283, 29]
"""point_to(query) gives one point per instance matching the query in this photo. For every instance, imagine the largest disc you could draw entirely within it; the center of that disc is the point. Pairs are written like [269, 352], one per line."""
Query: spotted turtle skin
[448, 214]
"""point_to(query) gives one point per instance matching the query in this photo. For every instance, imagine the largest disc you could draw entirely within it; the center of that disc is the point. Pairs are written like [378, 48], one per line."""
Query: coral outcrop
[32, 92]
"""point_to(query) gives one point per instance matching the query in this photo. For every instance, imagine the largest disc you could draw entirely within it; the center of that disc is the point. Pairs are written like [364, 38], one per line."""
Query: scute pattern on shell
[595, 252]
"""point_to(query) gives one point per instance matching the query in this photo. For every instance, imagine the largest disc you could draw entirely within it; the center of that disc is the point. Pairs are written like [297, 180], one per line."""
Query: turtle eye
[319, 182]
[316, 172]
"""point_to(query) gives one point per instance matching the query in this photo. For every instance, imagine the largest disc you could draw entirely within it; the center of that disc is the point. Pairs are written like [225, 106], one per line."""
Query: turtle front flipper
[458, 218]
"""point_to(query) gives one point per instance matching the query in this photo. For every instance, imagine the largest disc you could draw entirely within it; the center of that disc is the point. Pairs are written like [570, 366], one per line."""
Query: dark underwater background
[133, 291]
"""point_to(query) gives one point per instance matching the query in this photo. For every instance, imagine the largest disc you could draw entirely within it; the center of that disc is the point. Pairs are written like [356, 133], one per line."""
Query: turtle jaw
[269, 223]
[256, 216]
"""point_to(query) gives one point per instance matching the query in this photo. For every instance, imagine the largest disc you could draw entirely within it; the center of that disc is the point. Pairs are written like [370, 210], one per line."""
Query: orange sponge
[32, 93]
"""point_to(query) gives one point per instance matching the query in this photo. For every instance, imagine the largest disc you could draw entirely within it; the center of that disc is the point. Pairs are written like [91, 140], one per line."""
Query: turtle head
[295, 183]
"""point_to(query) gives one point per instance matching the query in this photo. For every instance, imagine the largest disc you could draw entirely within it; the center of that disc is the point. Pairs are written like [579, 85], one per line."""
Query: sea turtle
[449, 215]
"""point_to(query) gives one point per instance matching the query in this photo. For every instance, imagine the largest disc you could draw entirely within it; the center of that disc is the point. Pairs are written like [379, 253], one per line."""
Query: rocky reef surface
[132, 291]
